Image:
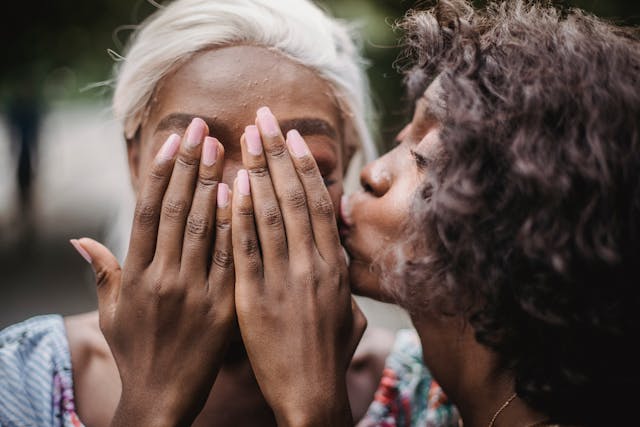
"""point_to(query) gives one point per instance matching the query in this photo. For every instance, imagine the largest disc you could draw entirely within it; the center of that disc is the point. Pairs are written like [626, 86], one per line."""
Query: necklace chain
[502, 408]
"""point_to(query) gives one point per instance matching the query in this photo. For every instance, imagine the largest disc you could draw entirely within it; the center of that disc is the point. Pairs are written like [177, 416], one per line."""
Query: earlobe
[133, 156]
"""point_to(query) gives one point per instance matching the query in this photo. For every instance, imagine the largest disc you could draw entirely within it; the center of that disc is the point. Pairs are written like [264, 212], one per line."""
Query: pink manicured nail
[210, 151]
[170, 147]
[268, 122]
[252, 137]
[81, 250]
[223, 195]
[297, 144]
[243, 182]
[196, 132]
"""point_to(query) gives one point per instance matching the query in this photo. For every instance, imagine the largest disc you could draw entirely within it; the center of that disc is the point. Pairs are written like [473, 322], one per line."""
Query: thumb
[105, 266]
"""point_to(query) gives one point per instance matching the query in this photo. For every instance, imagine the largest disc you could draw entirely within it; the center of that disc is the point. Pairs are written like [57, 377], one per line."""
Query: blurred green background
[56, 49]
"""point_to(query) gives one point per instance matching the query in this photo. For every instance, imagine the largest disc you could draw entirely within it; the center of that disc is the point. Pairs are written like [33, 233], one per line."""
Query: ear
[133, 156]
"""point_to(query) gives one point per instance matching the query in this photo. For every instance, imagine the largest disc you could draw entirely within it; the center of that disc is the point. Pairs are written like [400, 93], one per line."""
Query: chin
[365, 281]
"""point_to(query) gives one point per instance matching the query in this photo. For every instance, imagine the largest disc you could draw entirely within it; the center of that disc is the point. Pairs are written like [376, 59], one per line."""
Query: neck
[236, 399]
[468, 373]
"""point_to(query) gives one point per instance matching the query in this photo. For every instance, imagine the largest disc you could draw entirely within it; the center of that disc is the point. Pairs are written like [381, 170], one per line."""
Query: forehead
[229, 84]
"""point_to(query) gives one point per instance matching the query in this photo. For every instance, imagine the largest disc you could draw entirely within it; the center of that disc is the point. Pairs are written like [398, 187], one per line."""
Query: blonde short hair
[297, 28]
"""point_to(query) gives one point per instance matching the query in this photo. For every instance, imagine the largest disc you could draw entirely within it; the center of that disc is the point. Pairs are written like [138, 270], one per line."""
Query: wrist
[150, 410]
[332, 411]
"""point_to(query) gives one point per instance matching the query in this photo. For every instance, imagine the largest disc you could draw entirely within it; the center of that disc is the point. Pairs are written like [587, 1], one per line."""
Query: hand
[168, 313]
[296, 315]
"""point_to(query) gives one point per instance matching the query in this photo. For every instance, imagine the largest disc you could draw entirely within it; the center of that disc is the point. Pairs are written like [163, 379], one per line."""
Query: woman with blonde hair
[199, 69]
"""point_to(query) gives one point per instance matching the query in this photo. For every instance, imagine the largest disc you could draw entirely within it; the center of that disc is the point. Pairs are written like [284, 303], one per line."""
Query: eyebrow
[305, 125]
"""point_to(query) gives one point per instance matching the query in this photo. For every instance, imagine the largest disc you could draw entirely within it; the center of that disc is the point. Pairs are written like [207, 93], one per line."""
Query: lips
[346, 222]
[345, 211]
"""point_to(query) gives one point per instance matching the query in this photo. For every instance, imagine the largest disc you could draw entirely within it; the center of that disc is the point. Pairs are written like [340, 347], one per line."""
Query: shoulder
[85, 338]
[93, 364]
[35, 373]
[39, 340]
[407, 394]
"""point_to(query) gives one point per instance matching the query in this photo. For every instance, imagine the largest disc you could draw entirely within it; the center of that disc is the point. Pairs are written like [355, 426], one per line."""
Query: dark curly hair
[532, 230]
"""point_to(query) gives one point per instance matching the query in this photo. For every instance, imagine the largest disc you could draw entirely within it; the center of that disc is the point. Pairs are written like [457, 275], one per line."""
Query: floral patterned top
[407, 395]
[36, 386]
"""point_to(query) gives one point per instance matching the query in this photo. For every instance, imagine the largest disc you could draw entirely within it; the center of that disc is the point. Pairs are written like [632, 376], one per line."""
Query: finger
[321, 211]
[107, 270]
[146, 218]
[246, 248]
[199, 228]
[221, 273]
[287, 186]
[179, 195]
[268, 217]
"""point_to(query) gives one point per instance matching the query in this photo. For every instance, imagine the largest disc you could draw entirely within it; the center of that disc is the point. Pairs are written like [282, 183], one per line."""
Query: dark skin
[195, 90]
[289, 260]
[467, 371]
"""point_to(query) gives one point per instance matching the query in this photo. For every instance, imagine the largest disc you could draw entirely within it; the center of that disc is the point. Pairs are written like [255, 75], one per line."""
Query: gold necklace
[502, 408]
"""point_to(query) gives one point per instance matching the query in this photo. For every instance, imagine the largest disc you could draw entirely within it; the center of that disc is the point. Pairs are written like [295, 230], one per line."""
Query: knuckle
[271, 214]
[223, 225]
[163, 289]
[145, 214]
[245, 211]
[253, 266]
[223, 259]
[305, 275]
[249, 246]
[277, 150]
[158, 174]
[295, 198]
[104, 276]
[187, 163]
[322, 207]
[198, 226]
[174, 209]
[259, 172]
[307, 166]
[207, 183]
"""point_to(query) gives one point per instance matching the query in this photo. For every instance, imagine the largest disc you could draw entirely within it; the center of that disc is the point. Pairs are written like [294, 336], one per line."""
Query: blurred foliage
[55, 49]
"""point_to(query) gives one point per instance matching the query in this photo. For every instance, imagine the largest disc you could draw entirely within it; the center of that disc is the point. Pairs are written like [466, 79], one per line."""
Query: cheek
[388, 217]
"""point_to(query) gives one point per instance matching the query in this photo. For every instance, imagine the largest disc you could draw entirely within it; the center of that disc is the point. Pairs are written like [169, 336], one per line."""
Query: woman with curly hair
[507, 221]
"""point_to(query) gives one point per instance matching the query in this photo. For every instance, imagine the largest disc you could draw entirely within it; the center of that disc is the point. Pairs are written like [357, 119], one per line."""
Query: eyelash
[328, 182]
[422, 161]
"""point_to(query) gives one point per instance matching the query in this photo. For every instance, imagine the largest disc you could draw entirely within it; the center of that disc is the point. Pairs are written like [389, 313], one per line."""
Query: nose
[375, 178]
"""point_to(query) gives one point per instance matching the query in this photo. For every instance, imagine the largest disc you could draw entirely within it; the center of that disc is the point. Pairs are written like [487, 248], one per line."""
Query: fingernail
[252, 137]
[210, 151]
[170, 147]
[196, 132]
[268, 122]
[223, 195]
[297, 144]
[243, 182]
[81, 250]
